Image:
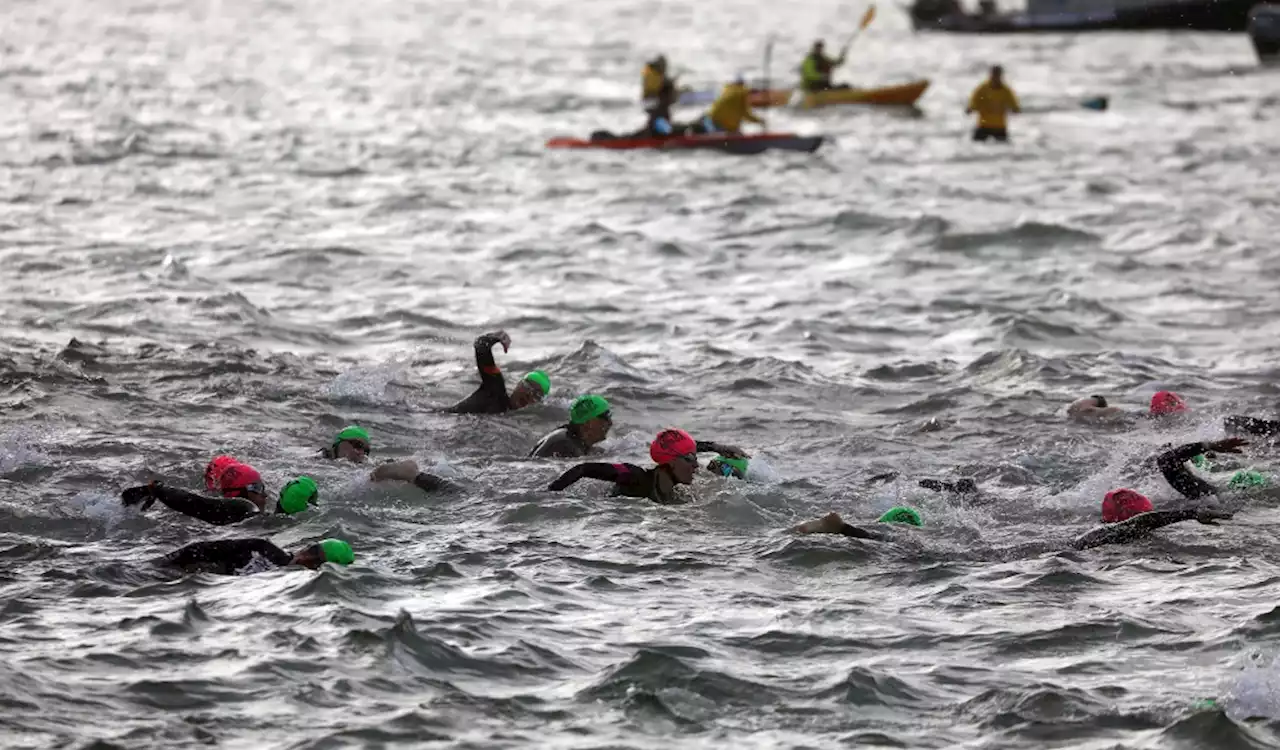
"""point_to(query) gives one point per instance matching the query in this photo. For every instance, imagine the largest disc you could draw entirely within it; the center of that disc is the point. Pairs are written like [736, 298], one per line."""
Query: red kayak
[734, 144]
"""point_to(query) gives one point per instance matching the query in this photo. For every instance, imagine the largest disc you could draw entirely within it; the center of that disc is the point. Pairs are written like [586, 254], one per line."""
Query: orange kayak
[904, 95]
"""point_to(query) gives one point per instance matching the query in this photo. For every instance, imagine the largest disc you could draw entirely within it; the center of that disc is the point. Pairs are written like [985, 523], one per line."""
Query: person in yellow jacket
[729, 111]
[654, 77]
[815, 71]
[993, 100]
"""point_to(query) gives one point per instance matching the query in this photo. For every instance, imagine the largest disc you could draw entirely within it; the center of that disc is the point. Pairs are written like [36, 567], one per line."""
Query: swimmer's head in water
[591, 418]
[1167, 402]
[530, 390]
[352, 444]
[728, 467]
[676, 450]
[298, 495]
[1123, 504]
[213, 472]
[1099, 401]
[586, 408]
[240, 480]
[1247, 479]
[909, 516]
[330, 550]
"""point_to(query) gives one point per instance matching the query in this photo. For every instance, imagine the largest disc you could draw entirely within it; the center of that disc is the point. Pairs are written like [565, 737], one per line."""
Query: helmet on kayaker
[818, 45]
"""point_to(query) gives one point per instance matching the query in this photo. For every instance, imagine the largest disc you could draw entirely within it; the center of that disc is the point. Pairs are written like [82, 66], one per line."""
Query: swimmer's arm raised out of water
[491, 396]
[1252, 426]
[218, 511]
[1143, 524]
[728, 451]
[1173, 464]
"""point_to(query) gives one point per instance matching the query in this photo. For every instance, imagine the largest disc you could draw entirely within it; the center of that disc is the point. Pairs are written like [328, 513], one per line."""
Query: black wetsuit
[491, 397]
[564, 442]
[629, 480]
[1173, 464]
[230, 556]
[1238, 424]
[1133, 529]
[216, 510]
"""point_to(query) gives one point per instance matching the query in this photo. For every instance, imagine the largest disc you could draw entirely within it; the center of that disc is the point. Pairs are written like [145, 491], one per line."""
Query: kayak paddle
[1093, 103]
[768, 57]
[867, 18]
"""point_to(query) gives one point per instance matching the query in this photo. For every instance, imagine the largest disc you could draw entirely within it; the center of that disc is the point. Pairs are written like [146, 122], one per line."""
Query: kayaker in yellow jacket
[815, 71]
[653, 77]
[729, 111]
[993, 100]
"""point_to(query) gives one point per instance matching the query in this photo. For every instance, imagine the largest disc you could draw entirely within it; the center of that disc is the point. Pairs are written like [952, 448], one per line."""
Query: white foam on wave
[19, 448]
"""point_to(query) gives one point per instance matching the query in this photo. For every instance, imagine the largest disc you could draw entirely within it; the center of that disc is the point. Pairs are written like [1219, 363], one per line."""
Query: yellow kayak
[904, 95]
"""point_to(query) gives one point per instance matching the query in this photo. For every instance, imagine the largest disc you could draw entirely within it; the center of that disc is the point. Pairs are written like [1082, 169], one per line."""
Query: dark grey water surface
[242, 225]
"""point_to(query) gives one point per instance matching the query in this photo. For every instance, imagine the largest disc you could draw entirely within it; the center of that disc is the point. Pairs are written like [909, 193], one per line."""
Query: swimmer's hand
[142, 494]
[1230, 445]
[1210, 516]
[731, 451]
[502, 338]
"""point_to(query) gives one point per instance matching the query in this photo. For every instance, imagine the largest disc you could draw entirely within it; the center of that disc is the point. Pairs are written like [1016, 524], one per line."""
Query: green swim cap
[540, 379]
[739, 465]
[352, 433]
[901, 515]
[337, 551]
[298, 494]
[587, 408]
[1202, 463]
[1247, 478]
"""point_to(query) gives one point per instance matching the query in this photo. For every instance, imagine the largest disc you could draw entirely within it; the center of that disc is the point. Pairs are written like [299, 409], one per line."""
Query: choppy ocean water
[242, 225]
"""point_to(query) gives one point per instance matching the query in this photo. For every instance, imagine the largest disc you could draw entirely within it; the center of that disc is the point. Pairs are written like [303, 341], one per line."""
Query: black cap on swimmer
[1099, 401]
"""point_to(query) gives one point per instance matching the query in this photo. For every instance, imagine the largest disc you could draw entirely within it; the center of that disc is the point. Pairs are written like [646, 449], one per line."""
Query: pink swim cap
[1167, 402]
[1123, 504]
[238, 478]
[213, 472]
[670, 445]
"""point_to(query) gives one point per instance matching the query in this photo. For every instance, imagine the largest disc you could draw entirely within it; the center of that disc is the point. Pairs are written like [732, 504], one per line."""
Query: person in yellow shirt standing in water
[729, 111]
[993, 100]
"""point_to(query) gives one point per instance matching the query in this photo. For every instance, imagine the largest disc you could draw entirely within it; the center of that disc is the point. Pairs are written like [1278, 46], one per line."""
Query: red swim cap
[670, 445]
[238, 477]
[1167, 402]
[213, 472]
[1121, 505]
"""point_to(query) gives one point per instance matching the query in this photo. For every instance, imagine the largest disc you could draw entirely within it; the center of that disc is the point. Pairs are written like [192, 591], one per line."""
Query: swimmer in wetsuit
[243, 497]
[232, 557]
[1133, 517]
[676, 456]
[589, 421]
[353, 444]
[491, 397]
[1173, 465]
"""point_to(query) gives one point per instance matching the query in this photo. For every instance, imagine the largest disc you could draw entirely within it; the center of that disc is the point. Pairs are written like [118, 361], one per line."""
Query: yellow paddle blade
[868, 17]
